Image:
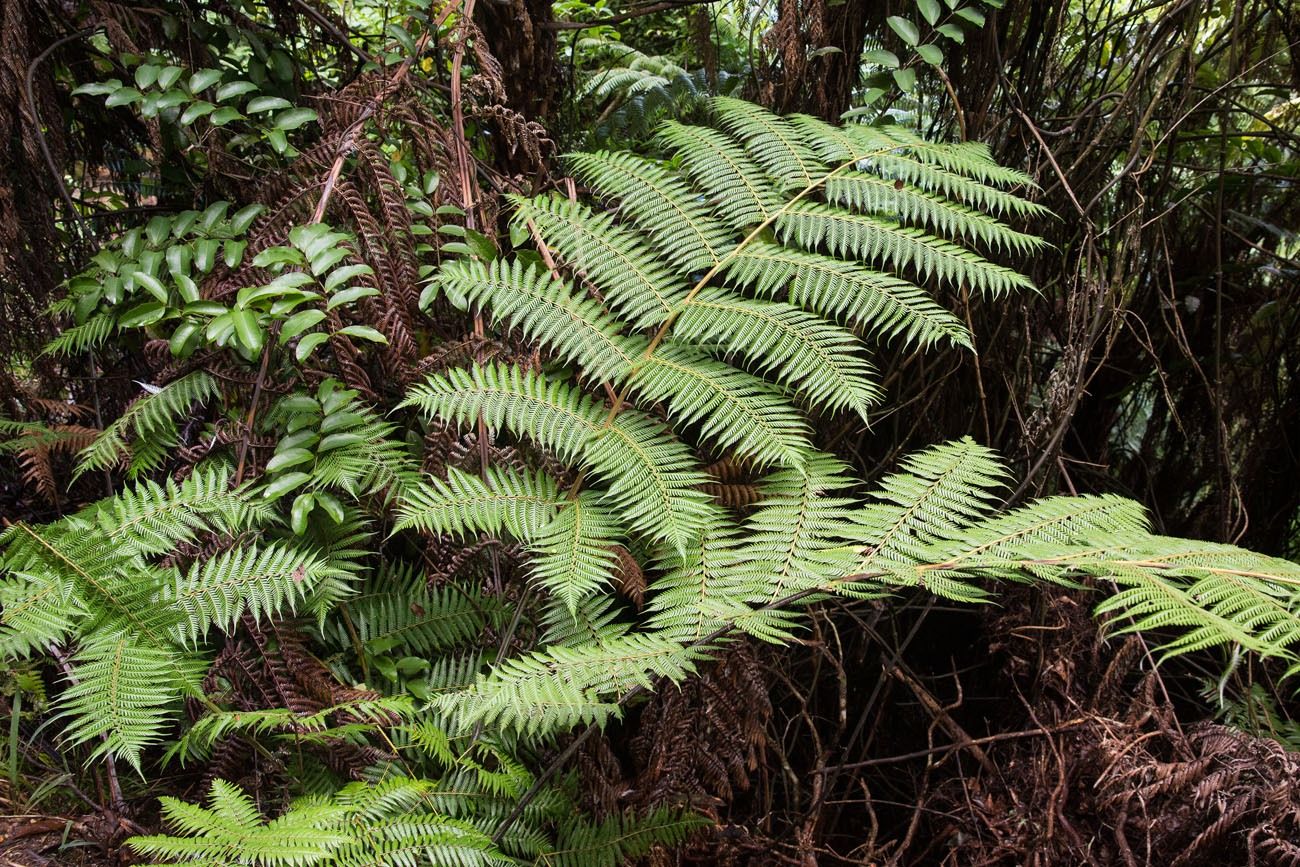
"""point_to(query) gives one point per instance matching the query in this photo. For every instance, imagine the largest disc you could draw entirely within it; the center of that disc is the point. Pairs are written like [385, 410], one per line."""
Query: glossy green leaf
[906, 30]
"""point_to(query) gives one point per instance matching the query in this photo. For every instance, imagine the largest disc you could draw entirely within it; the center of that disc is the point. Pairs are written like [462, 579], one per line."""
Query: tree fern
[361, 825]
[724, 290]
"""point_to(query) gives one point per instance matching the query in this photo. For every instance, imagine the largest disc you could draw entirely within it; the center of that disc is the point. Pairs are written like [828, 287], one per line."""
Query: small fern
[143, 435]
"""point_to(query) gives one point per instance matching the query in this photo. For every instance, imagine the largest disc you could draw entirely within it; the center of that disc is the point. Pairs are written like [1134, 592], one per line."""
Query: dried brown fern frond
[699, 744]
[37, 446]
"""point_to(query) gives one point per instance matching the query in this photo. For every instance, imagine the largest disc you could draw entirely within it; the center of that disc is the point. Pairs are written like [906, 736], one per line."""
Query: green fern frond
[386, 824]
[651, 477]
[524, 402]
[697, 592]
[1057, 521]
[794, 539]
[793, 542]
[147, 430]
[257, 580]
[232, 831]
[92, 333]
[400, 611]
[148, 518]
[631, 279]
[573, 555]
[885, 306]
[773, 141]
[595, 618]
[734, 409]
[205, 732]
[520, 503]
[822, 361]
[525, 694]
[957, 187]
[621, 838]
[937, 492]
[970, 159]
[123, 692]
[360, 454]
[865, 193]
[724, 172]
[1208, 594]
[895, 246]
[665, 209]
[545, 309]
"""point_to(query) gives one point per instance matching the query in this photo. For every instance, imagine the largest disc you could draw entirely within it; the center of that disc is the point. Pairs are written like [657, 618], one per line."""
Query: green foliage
[150, 275]
[935, 525]
[206, 97]
[150, 281]
[720, 298]
[332, 441]
[142, 436]
[634, 90]
[101, 581]
[360, 825]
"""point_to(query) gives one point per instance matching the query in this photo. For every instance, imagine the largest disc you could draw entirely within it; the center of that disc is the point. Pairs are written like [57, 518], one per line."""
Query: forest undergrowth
[551, 432]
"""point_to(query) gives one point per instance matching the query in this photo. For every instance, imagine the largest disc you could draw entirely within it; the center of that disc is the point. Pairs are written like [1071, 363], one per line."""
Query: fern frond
[630, 277]
[968, 159]
[885, 306]
[665, 209]
[463, 504]
[399, 610]
[937, 492]
[365, 714]
[573, 554]
[724, 172]
[697, 592]
[550, 411]
[148, 518]
[151, 425]
[773, 142]
[1055, 521]
[650, 477]
[734, 409]
[365, 456]
[869, 238]
[524, 693]
[124, 693]
[546, 310]
[794, 540]
[254, 580]
[621, 839]
[862, 192]
[951, 185]
[92, 333]
[1208, 594]
[232, 831]
[805, 352]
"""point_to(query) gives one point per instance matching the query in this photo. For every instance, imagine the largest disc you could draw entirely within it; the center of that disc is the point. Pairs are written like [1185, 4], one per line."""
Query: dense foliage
[449, 442]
